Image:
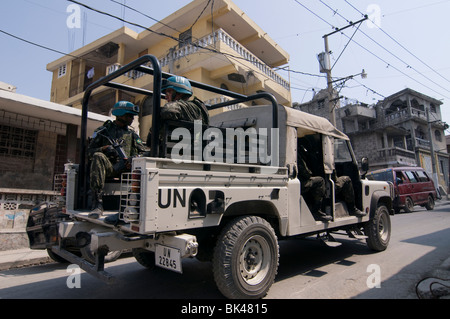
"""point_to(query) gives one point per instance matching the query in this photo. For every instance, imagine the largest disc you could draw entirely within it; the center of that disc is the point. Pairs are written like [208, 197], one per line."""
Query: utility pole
[433, 157]
[331, 105]
[327, 69]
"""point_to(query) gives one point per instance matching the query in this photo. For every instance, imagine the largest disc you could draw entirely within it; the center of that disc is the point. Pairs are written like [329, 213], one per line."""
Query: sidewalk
[435, 285]
[23, 258]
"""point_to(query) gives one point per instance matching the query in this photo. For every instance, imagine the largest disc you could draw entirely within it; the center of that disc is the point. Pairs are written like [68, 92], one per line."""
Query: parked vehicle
[413, 186]
[223, 200]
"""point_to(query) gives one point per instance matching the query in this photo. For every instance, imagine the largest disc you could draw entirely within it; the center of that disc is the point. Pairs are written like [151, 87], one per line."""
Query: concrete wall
[15, 205]
[34, 173]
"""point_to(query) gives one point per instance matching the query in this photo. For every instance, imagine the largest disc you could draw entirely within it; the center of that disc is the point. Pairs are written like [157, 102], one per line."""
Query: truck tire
[145, 257]
[56, 257]
[245, 260]
[430, 203]
[378, 229]
[409, 205]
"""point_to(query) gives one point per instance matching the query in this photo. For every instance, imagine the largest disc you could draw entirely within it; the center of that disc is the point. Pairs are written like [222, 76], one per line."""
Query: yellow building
[224, 48]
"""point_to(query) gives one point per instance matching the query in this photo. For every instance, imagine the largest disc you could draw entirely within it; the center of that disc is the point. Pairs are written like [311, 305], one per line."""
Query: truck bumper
[103, 239]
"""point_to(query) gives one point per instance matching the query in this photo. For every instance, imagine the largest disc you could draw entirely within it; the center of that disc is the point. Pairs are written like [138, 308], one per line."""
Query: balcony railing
[396, 155]
[221, 35]
[420, 142]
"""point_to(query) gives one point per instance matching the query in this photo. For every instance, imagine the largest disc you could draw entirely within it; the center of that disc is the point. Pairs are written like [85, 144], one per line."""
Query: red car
[413, 186]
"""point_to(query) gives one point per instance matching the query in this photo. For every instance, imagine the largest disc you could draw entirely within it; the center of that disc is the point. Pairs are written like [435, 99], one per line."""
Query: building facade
[404, 129]
[36, 139]
[223, 48]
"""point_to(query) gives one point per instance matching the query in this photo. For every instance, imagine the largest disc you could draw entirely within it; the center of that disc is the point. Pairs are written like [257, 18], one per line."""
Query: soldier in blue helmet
[178, 90]
[107, 158]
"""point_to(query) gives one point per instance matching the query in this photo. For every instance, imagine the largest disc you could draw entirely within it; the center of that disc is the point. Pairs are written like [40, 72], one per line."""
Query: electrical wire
[401, 45]
[384, 48]
[145, 15]
[178, 40]
[335, 12]
[206, 6]
[159, 33]
[332, 26]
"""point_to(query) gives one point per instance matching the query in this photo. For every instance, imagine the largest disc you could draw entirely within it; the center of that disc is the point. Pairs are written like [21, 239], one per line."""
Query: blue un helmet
[178, 83]
[123, 107]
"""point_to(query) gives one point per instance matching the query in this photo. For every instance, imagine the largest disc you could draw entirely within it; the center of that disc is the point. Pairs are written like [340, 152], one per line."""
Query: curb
[23, 258]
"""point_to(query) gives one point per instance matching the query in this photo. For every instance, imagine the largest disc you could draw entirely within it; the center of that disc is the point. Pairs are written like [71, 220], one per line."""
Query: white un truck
[225, 193]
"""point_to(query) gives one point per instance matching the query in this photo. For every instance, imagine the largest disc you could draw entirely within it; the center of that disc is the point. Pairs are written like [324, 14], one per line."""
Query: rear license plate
[168, 258]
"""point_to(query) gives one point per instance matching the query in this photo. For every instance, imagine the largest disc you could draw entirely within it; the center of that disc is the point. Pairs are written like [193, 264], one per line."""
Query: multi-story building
[224, 48]
[397, 131]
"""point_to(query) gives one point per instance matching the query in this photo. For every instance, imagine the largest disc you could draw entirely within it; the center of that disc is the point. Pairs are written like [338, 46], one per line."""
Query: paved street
[308, 269]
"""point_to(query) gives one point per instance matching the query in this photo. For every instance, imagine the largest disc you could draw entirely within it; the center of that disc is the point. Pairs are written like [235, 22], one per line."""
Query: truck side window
[341, 152]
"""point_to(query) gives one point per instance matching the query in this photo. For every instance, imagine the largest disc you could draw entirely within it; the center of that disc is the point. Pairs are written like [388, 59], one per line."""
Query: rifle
[117, 145]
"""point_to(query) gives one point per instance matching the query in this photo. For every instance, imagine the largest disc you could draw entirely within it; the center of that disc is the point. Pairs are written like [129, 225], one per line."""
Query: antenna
[123, 12]
[84, 29]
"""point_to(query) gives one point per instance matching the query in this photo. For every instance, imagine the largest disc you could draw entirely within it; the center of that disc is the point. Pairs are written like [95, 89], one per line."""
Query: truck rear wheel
[378, 229]
[245, 258]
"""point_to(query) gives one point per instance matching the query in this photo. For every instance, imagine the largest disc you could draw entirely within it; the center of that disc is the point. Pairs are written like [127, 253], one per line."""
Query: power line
[123, 20]
[51, 49]
[179, 41]
[35, 44]
[402, 46]
[384, 48]
[206, 6]
[334, 28]
[145, 15]
[335, 12]
[162, 34]
[284, 68]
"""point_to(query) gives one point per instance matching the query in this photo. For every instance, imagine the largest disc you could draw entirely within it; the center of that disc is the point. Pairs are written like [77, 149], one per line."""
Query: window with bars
[17, 142]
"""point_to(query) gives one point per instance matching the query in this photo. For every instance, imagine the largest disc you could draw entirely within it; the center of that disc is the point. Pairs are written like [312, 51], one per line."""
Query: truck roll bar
[140, 65]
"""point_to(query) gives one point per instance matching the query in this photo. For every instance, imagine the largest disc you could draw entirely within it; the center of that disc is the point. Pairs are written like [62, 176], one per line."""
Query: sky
[404, 44]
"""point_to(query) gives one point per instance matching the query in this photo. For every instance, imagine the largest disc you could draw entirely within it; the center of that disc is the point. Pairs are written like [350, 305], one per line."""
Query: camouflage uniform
[185, 111]
[344, 191]
[181, 110]
[102, 165]
[312, 188]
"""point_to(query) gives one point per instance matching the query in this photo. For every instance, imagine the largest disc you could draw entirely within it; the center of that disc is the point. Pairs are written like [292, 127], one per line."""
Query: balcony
[234, 55]
[396, 156]
[217, 52]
